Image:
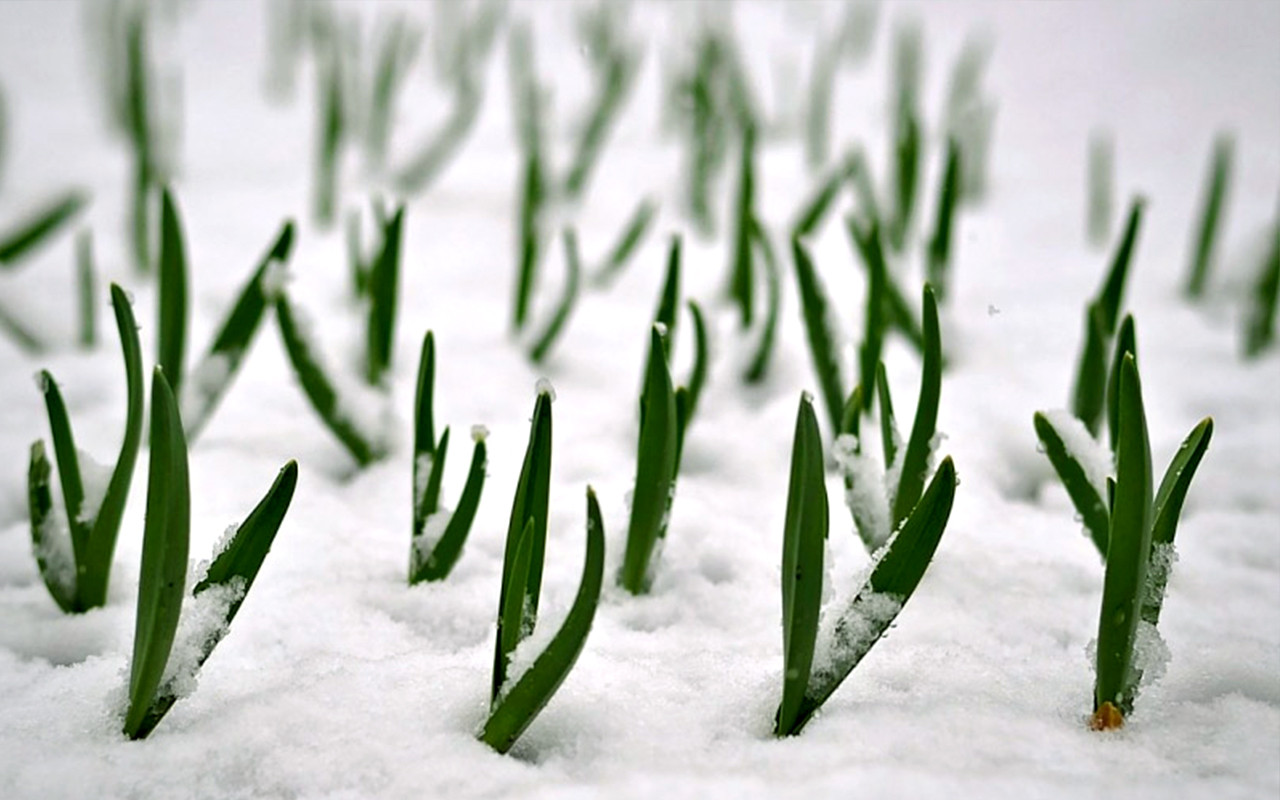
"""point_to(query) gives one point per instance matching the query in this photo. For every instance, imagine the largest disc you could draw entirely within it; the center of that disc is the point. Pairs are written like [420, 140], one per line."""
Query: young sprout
[560, 317]
[438, 534]
[969, 118]
[395, 49]
[638, 225]
[905, 90]
[1217, 182]
[741, 273]
[1099, 189]
[938, 259]
[75, 564]
[1260, 318]
[384, 290]
[167, 653]
[332, 123]
[530, 221]
[822, 341]
[87, 286]
[758, 367]
[22, 238]
[812, 674]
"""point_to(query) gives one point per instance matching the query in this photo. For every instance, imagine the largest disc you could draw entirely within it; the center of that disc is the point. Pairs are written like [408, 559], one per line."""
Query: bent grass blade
[24, 237]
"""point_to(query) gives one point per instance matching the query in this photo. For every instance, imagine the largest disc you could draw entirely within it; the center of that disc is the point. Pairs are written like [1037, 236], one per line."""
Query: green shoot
[87, 286]
[614, 62]
[868, 236]
[915, 460]
[331, 130]
[1103, 313]
[1215, 191]
[656, 460]
[638, 225]
[669, 297]
[822, 341]
[438, 535]
[906, 134]
[688, 394]
[816, 208]
[938, 259]
[76, 564]
[1260, 317]
[759, 364]
[741, 273]
[1084, 493]
[1126, 342]
[573, 278]
[1100, 181]
[160, 673]
[872, 347]
[1170, 496]
[531, 200]
[809, 680]
[171, 336]
[319, 388]
[24, 237]
[525, 548]
[969, 117]
[384, 288]
[519, 703]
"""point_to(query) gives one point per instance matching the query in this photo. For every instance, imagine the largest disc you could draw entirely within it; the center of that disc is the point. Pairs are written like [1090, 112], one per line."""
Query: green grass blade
[514, 621]
[331, 132]
[529, 219]
[611, 90]
[215, 372]
[939, 253]
[1166, 511]
[1088, 396]
[165, 541]
[68, 459]
[741, 271]
[816, 207]
[1128, 553]
[560, 317]
[1084, 496]
[319, 389]
[1216, 185]
[759, 364]
[915, 461]
[424, 431]
[521, 703]
[428, 501]
[49, 542]
[889, 436]
[1126, 343]
[894, 578]
[868, 244]
[1100, 180]
[822, 344]
[171, 332]
[106, 526]
[528, 512]
[438, 150]
[803, 545]
[1260, 318]
[701, 361]
[1111, 293]
[87, 286]
[24, 237]
[384, 290]
[638, 225]
[906, 176]
[655, 469]
[436, 565]
[669, 297]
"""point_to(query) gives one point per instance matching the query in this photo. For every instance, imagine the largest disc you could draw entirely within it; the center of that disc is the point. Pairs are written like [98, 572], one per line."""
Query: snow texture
[1094, 457]
[866, 496]
[94, 477]
[202, 625]
[203, 384]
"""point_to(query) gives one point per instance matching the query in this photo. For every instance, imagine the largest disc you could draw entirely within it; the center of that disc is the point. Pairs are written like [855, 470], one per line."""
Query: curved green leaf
[437, 565]
[517, 706]
[759, 365]
[1168, 508]
[30, 233]
[915, 461]
[1088, 503]
[171, 332]
[384, 288]
[822, 345]
[54, 557]
[560, 317]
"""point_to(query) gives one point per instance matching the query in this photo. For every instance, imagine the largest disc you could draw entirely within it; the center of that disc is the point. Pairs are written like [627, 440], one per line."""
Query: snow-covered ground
[338, 680]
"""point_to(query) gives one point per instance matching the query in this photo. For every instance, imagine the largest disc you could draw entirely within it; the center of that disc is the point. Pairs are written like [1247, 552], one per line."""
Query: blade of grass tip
[428, 501]
[1217, 182]
[889, 436]
[815, 209]
[906, 176]
[93, 582]
[1111, 293]
[759, 364]
[529, 510]
[234, 569]
[86, 283]
[521, 703]
[638, 225]
[1166, 511]
[560, 317]
[384, 288]
[1126, 343]
[437, 565]
[319, 388]
[529, 216]
[669, 297]
[215, 372]
[1101, 161]
[656, 454]
[701, 360]
[68, 459]
[897, 572]
[1088, 396]
[50, 544]
[25, 236]
[803, 544]
[1128, 552]
[741, 273]
[915, 461]
[1084, 495]
[817, 321]
[1260, 318]
[171, 331]
[355, 255]
[165, 541]
[424, 432]
[939, 254]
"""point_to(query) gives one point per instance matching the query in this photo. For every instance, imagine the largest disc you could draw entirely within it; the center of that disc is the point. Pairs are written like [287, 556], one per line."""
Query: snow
[54, 550]
[339, 680]
[867, 495]
[202, 625]
[94, 477]
[1093, 455]
[203, 384]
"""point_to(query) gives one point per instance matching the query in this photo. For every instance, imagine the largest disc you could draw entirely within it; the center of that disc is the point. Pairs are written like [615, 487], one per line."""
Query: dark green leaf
[915, 461]
[171, 332]
[1166, 511]
[822, 344]
[54, 557]
[1215, 189]
[439, 562]
[1088, 503]
[25, 236]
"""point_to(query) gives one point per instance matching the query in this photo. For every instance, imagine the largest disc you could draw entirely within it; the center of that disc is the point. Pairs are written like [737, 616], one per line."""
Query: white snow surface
[337, 680]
